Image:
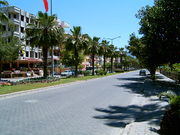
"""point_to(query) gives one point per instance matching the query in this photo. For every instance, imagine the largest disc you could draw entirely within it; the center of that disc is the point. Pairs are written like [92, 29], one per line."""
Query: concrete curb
[43, 89]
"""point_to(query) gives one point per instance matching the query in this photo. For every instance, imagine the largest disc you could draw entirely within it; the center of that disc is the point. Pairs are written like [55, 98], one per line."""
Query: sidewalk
[149, 127]
[147, 121]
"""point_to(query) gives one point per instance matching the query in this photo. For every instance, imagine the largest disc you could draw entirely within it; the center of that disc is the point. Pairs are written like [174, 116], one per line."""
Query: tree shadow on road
[120, 116]
[147, 87]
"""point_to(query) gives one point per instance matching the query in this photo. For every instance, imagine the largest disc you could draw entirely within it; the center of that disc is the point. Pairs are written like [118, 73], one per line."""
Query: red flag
[46, 5]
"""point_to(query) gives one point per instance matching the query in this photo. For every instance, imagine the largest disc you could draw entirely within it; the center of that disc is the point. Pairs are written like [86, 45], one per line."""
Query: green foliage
[160, 29]
[104, 46]
[119, 70]
[3, 17]
[101, 72]
[168, 94]
[9, 51]
[112, 53]
[93, 49]
[171, 68]
[86, 73]
[171, 120]
[68, 58]
[44, 32]
[76, 44]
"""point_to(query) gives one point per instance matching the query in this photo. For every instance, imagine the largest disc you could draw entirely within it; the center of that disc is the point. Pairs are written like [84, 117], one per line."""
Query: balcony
[14, 9]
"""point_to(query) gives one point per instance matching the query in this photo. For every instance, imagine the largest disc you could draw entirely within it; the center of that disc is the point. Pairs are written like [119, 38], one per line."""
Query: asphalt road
[73, 109]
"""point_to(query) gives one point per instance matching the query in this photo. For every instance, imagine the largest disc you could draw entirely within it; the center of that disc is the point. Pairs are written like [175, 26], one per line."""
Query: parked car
[67, 73]
[142, 72]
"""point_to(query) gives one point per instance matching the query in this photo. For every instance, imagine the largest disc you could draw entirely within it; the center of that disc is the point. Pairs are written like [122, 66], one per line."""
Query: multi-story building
[28, 57]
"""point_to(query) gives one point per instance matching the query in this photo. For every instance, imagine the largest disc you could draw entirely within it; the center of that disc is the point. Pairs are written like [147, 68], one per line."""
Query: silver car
[142, 72]
[67, 73]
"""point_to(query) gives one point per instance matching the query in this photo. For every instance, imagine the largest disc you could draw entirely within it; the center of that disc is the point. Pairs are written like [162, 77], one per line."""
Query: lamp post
[112, 39]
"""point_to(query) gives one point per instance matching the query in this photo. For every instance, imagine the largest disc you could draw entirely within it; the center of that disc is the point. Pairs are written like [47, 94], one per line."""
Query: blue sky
[101, 18]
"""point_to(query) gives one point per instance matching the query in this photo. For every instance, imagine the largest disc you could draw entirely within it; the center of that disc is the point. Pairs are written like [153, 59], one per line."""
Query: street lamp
[112, 39]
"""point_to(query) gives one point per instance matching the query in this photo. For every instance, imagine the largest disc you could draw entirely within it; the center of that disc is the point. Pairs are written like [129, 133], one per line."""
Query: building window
[27, 54]
[9, 15]
[9, 40]
[27, 20]
[9, 29]
[36, 55]
[17, 28]
[22, 18]
[22, 29]
[39, 55]
[21, 53]
[4, 27]
[15, 16]
[32, 54]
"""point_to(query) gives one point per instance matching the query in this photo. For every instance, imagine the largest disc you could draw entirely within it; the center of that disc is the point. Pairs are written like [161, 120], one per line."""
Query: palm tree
[104, 51]
[93, 49]
[122, 55]
[44, 33]
[76, 43]
[112, 54]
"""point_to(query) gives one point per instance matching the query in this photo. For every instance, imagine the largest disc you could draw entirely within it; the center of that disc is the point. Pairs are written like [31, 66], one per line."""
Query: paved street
[80, 108]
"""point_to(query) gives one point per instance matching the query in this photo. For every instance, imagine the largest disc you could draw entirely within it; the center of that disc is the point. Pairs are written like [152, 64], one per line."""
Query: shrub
[171, 120]
[37, 80]
[118, 70]
[101, 72]
[5, 84]
[86, 73]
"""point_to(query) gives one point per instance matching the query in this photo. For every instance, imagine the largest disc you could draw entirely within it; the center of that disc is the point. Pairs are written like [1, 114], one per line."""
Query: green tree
[3, 17]
[104, 51]
[121, 55]
[146, 53]
[67, 58]
[76, 44]
[44, 32]
[112, 54]
[9, 51]
[9, 46]
[93, 49]
[160, 29]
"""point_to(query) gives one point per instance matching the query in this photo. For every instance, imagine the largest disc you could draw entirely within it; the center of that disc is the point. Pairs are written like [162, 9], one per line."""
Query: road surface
[73, 109]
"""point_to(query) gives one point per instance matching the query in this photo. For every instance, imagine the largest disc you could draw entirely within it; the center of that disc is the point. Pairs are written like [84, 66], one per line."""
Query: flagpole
[52, 51]
[51, 7]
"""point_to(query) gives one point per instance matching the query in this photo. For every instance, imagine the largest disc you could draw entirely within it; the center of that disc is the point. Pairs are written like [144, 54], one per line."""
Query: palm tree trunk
[93, 64]
[45, 62]
[104, 63]
[121, 60]
[111, 64]
[0, 70]
[76, 70]
[76, 61]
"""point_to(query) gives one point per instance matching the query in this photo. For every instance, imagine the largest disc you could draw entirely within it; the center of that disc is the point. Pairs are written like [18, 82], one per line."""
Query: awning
[30, 60]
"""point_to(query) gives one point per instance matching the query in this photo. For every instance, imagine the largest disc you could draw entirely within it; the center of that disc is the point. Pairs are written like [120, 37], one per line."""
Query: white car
[67, 73]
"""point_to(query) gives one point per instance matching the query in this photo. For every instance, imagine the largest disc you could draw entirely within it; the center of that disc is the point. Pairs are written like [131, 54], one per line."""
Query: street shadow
[147, 87]
[120, 116]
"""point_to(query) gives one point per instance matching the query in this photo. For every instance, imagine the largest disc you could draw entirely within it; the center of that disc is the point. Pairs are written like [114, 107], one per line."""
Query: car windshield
[66, 71]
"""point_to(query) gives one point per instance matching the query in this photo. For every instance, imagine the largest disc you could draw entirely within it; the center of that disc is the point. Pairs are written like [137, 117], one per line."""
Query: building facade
[28, 57]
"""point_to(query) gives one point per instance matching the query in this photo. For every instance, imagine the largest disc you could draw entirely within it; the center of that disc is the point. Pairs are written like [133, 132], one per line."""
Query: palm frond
[4, 3]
